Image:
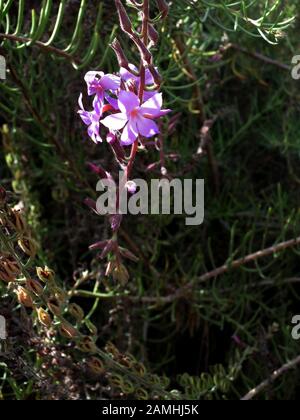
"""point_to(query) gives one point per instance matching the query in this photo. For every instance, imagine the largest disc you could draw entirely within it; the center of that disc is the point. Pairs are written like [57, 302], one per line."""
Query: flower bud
[128, 254]
[44, 318]
[153, 34]
[35, 287]
[98, 170]
[45, 274]
[116, 147]
[125, 22]
[24, 297]
[163, 8]
[76, 311]
[121, 57]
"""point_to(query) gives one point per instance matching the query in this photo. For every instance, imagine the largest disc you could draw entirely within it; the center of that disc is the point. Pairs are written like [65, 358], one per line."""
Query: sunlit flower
[135, 119]
[91, 119]
[99, 84]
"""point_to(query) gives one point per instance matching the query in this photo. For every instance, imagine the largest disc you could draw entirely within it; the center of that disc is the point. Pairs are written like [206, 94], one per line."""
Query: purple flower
[98, 83]
[91, 119]
[127, 76]
[135, 119]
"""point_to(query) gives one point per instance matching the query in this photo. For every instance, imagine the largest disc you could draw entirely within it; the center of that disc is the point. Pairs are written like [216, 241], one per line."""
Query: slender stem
[41, 45]
[276, 374]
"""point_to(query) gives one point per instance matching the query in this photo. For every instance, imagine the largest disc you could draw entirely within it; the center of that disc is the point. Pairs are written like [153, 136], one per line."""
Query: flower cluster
[118, 107]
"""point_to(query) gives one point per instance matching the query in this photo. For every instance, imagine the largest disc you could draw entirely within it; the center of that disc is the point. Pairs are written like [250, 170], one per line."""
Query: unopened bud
[44, 318]
[116, 147]
[121, 57]
[153, 34]
[98, 170]
[128, 254]
[24, 297]
[125, 22]
[163, 8]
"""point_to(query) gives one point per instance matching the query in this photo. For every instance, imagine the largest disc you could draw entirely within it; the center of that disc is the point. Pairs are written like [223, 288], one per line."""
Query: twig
[276, 374]
[46, 48]
[257, 56]
[249, 258]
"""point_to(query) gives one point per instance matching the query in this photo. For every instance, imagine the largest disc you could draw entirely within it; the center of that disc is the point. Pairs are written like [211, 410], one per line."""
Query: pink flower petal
[126, 75]
[85, 116]
[147, 128]
[98, 105]
[112, 101]
[127, 101]
[115, 122]
[155, 102]
[110, 82]
[130, 134]
[93, 75]
[154, 113]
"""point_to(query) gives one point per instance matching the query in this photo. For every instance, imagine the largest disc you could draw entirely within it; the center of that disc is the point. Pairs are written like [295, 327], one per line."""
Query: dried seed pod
[76, 311]
[121, 274]
[17, 220]
[91, 327]
[87, 345]
[24, 297]
[45, 274]
[60, 295]
[44, 318]
[141, 394]
[10, 266]
[35, 287]
[112, 349]
[28, 246]
[68, 331]
[3, 196]
[7, 278]
[95, 365]
[54, 306]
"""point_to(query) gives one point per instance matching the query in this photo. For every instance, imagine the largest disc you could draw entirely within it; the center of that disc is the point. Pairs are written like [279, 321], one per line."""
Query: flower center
[134, 113]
